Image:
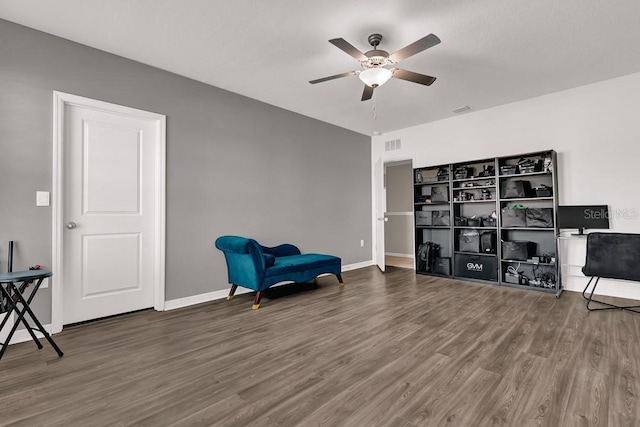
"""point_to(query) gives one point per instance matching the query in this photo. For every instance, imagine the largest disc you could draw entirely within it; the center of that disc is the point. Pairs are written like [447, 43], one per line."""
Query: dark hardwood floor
[390, 349]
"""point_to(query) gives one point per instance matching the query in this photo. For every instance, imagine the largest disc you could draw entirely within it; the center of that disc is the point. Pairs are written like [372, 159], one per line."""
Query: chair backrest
[245, 260]
[613, 256]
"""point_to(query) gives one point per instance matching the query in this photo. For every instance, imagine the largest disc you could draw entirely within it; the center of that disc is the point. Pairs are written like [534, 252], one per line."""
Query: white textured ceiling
[493, 52]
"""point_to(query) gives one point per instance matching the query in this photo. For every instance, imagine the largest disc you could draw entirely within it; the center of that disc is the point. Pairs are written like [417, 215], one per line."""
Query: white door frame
[380, 208]
[60, 100]
[379, 192]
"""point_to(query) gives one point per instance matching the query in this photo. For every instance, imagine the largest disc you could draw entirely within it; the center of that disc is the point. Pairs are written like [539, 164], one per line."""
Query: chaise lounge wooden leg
[231, 292]
[339, 276]
[256, 301]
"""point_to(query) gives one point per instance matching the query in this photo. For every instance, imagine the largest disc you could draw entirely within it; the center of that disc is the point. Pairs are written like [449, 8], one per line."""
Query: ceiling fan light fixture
[374, 77]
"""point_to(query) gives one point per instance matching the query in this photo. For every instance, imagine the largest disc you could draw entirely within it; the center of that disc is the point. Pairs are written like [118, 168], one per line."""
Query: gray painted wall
[399, 186]
[234, 165]
[398, 230]
[398, 235]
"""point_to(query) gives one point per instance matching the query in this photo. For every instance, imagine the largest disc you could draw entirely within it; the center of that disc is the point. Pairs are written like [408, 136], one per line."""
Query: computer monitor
[584, 216]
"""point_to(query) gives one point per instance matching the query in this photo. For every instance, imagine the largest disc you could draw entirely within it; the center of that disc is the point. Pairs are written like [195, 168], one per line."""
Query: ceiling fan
[378, 65]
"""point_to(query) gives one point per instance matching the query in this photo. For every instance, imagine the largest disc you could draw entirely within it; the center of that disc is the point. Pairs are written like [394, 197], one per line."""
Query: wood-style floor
[396, 261]
[390, 349]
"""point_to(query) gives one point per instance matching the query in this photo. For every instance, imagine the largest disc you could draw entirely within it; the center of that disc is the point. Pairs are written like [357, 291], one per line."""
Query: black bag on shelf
[424, 218]
[539, 217]
[509, 169]
[476, 266]
[469, 241]
[474, 222]
[488, 241]
[441, 218]
[442, 266]
[515, 189]
[439, 194]
[442, 175]
[463, 172]
[489, 221]
[426, 255]
[520, 250]
[461, 221]
[513, 218]
[529, 165]
[544, 191]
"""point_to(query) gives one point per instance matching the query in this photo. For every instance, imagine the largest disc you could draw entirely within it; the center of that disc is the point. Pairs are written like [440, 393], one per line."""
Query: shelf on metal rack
[475, 201]
[546, 264]
[473, 253]
[515, 175]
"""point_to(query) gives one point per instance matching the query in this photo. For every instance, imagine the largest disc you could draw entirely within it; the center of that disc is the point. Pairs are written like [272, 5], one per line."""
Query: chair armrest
[245, 260]
[281, 250]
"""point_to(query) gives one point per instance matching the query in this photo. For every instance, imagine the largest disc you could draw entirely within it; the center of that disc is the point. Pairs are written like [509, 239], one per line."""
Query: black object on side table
[12, 290]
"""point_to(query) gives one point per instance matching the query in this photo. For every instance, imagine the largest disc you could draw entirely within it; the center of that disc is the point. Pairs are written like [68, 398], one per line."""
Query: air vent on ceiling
[461, 109]
[394, 144]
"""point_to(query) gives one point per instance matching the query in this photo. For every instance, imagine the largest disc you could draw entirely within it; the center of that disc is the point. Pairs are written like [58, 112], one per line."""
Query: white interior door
[381, 206]
[110, 212]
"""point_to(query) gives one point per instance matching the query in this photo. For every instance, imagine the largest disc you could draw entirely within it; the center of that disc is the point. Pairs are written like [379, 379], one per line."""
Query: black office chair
[611, 256]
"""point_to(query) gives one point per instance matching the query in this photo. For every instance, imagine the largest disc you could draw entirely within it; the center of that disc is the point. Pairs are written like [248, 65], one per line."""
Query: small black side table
[12, 288]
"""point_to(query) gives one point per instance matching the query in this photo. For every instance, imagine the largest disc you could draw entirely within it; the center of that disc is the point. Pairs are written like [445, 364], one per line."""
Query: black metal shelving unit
[480, 191]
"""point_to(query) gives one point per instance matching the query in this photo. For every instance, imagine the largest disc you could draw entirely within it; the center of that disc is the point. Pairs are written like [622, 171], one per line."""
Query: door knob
[71, 225]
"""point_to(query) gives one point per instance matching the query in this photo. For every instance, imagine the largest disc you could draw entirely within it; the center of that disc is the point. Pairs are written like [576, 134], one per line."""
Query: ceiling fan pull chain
[375, 113]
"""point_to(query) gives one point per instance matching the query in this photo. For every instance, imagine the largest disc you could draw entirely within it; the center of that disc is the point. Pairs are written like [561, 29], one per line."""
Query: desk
[12, 290]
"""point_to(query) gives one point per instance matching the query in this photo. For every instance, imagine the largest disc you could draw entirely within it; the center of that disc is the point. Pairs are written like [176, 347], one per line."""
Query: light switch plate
[42, 198]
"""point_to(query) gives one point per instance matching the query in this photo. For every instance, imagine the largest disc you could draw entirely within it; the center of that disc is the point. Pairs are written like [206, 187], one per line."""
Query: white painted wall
[596, 131]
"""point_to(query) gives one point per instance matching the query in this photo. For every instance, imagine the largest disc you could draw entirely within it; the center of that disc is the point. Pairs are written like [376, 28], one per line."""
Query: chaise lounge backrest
[245, 260]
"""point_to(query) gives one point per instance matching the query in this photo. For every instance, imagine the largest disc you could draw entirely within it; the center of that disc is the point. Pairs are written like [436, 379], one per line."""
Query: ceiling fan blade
[337, 76]
[413, 77]
[415, 47]
[367, 94]
[348, 48]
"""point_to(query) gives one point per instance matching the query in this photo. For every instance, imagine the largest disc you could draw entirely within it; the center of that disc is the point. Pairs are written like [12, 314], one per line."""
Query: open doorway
[398, 216]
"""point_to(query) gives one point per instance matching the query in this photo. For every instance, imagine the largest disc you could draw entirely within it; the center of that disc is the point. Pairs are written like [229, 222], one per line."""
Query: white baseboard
[211, 296]
[606, 287]
[199, 299]
[357, 265]
[21, 335]
[399, 255]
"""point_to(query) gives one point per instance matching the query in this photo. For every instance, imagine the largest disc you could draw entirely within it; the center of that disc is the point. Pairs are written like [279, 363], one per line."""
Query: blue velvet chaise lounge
[257, 267]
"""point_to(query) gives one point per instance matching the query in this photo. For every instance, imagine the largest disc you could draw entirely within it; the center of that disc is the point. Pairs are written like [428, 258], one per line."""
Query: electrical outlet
[362, 243]
[42, 198]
